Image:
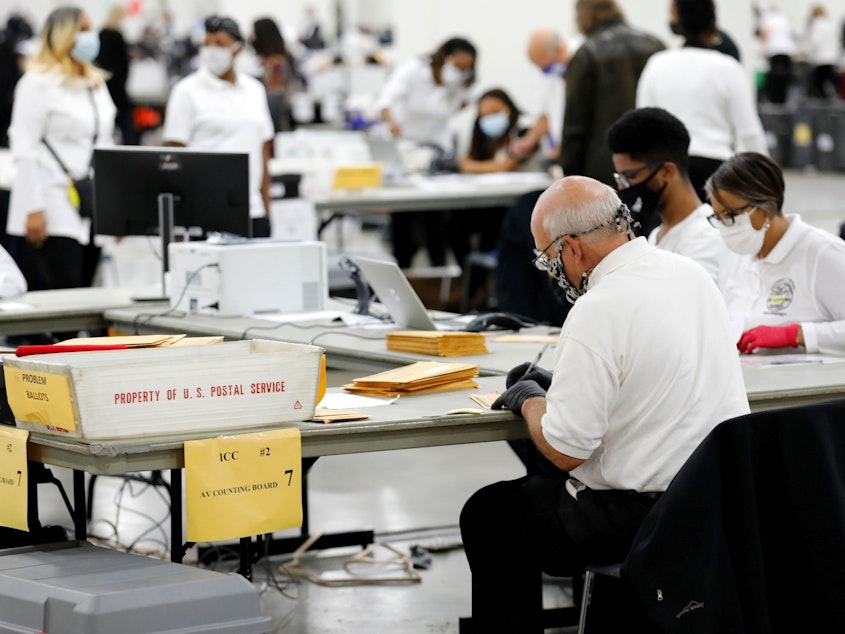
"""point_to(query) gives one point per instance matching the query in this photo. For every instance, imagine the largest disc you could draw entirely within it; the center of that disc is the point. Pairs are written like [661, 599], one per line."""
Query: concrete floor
[408, 497]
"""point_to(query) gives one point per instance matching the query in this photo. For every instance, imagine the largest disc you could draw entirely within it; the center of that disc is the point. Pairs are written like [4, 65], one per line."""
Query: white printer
[242, 277]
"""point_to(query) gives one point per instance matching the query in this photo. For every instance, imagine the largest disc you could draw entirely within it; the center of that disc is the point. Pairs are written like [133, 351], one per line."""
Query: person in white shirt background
[416, 104]
[12, 281]
[649, 151]
[424, 92]
[550, 53]
[707, 90]
[218, 108]
[779, 48]
[61, 100]
[498, 124]
[787, 288]
[823, 51]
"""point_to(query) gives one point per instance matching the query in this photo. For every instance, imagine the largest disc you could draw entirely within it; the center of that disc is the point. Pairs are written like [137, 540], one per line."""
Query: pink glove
[769, 337]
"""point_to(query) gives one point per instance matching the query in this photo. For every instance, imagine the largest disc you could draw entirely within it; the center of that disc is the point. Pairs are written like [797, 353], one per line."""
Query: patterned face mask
[554, 266]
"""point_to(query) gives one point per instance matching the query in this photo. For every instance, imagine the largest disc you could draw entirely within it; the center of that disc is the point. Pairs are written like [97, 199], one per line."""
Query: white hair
[586, 217]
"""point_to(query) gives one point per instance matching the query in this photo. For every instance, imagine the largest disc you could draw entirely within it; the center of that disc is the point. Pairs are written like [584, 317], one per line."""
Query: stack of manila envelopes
[424, 377]
[440, 344]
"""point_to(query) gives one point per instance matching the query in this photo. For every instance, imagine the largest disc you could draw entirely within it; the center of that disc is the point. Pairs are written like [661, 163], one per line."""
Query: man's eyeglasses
[728, 216]
[215, 23]
[541, 261]
[623, 179]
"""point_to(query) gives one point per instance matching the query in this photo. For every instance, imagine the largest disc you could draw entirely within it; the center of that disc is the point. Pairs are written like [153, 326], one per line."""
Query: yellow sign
[13, 478]
[40, 397]
[239, 486]
[360, 177]
[802, 134]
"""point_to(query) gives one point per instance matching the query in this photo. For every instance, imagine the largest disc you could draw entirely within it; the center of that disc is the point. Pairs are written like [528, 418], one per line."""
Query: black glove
[541, 376]
[515, 396]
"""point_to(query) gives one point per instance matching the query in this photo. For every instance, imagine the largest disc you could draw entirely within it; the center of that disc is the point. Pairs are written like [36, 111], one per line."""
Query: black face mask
[642, 200]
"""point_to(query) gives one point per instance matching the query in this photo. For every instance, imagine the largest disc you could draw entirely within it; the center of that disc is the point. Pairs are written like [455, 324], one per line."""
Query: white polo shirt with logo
[801, 281]
[207, 113]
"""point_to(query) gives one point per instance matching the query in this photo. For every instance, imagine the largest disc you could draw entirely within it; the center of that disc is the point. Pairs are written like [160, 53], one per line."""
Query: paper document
[340, 400]
[284, 318]
[336, 416]
[485, 400]
[526, 339]
[14, 306]
[779, 360]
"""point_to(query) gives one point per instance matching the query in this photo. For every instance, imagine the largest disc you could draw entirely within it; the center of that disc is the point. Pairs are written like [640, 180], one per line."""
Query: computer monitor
[150, 190]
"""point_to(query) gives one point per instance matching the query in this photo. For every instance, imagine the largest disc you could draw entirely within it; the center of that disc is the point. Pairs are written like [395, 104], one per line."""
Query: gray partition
[77, 588]
[777, 120]
[829, 136]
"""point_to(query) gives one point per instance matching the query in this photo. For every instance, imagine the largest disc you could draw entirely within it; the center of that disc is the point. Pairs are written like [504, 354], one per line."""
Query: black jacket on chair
[750, 535]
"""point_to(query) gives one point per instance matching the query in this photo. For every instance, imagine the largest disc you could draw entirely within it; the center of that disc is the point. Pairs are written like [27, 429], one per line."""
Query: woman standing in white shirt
[787, 288]
[61, 103]
[218, 108]
[416, 103]
[823, 52]
[707, 90]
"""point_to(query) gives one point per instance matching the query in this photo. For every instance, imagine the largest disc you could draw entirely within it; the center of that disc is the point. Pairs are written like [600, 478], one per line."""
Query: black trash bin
[829, 136]
[777, 120]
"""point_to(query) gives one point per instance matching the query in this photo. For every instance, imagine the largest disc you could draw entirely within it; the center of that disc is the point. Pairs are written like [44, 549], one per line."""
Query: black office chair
[749, 535]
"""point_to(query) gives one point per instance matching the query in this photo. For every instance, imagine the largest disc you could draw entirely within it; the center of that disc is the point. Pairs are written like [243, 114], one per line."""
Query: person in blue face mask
[496, 127]
[498, 123]
[62, 110]
[550, 53]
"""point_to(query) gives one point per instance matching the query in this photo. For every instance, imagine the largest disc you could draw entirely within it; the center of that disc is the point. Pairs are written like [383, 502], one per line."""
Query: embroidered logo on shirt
[780, 296]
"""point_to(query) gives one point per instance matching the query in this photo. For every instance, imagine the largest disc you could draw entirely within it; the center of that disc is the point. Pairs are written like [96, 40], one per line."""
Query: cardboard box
[163, 391]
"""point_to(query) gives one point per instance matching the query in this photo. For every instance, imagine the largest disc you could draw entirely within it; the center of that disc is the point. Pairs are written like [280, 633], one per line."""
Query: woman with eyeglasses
[219, 108]
[787, 290]
[62, 110]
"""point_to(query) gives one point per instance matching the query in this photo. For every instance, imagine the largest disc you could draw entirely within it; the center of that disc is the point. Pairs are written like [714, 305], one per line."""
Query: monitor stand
[165, 228]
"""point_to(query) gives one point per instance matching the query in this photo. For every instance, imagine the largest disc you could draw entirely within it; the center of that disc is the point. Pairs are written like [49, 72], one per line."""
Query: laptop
[398, 296]
[384, 151]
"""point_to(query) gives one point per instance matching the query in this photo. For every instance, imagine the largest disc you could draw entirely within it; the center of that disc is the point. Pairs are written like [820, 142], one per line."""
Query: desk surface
[61, 310]
[414, 421]
[771, 381]
[451, 191]
[346, 348]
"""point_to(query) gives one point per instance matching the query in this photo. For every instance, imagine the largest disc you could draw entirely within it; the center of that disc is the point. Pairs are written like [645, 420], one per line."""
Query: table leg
[246, 558]
[80, 515]
[177, 550]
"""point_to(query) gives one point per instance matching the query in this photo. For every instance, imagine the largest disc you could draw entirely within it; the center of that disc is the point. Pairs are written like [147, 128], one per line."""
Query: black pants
[780, 73]
[512, 531]
[57, 264]
[700, 169]
[824, 82]
[411, 229]
[261, 227]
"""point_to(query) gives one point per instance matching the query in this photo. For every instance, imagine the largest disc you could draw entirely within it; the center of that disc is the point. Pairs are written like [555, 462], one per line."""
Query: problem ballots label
[40, 397]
